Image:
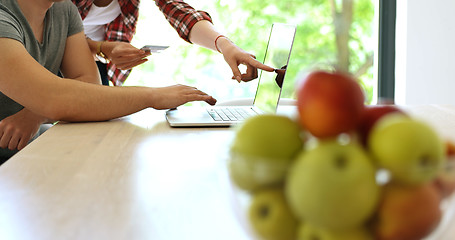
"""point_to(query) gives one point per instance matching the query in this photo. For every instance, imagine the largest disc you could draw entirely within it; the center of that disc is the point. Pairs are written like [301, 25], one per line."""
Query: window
[330, 34]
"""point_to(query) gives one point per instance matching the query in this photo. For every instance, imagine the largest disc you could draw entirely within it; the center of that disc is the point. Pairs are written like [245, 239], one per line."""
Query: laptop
[267, 95]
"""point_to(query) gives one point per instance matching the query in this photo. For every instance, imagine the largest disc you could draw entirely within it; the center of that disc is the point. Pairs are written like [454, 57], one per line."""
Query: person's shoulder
[11, 21]
[6, 12]
[5, 7]
[4, 4]
[65, 8]
[64, 5]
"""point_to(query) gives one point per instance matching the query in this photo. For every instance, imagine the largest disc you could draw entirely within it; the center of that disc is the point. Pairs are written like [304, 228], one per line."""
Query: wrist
[101, 49]
[37, 118]
[221, 42]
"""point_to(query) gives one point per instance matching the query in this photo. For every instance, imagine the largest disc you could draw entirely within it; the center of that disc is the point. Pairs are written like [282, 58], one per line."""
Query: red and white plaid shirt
[180, 15]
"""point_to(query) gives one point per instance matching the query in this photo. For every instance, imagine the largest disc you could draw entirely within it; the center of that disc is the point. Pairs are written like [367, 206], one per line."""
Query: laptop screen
[277, 56]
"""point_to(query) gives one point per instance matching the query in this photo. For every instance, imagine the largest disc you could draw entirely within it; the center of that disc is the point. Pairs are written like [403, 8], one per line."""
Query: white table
[132, 178]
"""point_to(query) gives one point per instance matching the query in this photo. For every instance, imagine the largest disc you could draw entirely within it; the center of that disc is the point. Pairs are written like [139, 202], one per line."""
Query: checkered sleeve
[122, 29]
[181, 16]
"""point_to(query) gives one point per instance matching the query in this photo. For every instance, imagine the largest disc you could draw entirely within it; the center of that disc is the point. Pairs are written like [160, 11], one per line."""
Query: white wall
[425, 52]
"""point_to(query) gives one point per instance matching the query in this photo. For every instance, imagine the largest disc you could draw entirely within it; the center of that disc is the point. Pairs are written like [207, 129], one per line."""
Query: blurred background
[331, 34]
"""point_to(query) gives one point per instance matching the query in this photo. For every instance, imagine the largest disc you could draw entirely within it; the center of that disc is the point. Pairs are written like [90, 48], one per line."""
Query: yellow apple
[308, 231]
[263, 148]
[333, 186]
[268, 136]
[270, 216]
[409, 148]
[252, 173]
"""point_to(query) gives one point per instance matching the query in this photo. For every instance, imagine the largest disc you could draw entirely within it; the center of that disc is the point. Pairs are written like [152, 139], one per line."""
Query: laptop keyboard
[230, 114]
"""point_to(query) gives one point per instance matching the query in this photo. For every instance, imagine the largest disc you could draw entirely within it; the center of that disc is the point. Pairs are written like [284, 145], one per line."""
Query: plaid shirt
[179, 14]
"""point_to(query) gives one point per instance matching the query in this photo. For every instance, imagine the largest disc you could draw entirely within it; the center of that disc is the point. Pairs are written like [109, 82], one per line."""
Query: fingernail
[238, 79]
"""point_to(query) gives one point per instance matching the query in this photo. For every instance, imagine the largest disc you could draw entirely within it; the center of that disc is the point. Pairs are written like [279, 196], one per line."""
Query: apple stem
[264, 211]
[314, 237]
[425, 161]
[340, 162]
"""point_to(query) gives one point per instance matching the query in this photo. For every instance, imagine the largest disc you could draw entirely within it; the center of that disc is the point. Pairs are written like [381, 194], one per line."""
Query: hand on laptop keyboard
[176, 95]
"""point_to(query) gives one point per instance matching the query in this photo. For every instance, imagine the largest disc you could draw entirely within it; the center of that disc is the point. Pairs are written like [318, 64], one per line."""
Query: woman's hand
[235, 56]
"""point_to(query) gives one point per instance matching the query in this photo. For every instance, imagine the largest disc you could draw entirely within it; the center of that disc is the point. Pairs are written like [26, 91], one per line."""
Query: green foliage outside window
[331, 34]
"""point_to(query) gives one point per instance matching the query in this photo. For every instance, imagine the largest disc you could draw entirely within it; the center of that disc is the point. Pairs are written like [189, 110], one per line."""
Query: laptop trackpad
[188, 116]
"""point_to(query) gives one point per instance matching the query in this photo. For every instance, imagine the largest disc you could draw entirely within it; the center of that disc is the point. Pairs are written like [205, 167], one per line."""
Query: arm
[204, 34]
[196, 27]
[17, 130]
[67, 99]
[77, 61]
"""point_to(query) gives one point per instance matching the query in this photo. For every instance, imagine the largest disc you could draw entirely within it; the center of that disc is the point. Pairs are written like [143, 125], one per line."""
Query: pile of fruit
[342, 169]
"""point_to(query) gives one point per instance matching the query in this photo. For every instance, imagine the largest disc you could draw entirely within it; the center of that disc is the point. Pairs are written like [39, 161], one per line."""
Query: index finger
[255, 63]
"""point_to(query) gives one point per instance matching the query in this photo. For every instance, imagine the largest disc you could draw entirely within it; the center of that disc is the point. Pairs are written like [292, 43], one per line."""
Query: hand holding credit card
[154, 48]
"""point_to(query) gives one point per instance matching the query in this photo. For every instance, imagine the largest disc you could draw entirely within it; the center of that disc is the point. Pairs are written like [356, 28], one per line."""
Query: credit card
[154, 48]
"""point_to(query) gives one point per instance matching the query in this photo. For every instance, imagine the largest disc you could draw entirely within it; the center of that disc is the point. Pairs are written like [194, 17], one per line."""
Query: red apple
[370, 115]
[329, 103]
[445, 182]
[407, 212]
[450, 149]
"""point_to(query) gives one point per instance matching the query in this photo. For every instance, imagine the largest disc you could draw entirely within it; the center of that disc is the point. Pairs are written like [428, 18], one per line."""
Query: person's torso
[98, 17]
[49, 52]
[60, 22]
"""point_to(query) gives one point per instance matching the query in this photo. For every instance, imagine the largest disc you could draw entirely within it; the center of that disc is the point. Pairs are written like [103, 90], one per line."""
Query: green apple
[333, 186]
[409, 148]
[263, 149]
[270, 216]
[308, 231]
[268, 136]
[252, 173]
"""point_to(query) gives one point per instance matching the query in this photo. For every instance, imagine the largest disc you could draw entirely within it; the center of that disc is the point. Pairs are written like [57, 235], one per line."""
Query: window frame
[386, 51]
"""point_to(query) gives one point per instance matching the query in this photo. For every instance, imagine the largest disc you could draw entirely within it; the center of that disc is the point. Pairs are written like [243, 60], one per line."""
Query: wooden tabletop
[133, 178]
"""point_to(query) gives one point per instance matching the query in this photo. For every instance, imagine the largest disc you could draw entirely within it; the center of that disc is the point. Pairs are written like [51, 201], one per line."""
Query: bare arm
[196, 27]
[16, 130]
[77, 61]
[25, 81]
[204, 34]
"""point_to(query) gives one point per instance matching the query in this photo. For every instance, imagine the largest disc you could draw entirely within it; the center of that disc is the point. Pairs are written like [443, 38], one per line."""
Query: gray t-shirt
[62, 20]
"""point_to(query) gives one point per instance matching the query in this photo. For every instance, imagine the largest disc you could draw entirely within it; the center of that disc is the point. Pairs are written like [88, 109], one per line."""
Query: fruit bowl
[241, 201]
[342, 170]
